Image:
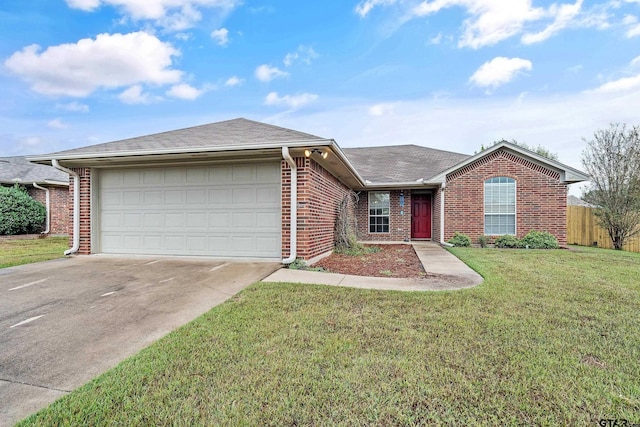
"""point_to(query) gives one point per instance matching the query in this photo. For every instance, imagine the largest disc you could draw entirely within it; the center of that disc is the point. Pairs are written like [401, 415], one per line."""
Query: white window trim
[515, 209]
[388, 193]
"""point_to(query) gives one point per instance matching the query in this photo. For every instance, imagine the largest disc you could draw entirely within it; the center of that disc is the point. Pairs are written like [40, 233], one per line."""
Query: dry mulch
[398, 261]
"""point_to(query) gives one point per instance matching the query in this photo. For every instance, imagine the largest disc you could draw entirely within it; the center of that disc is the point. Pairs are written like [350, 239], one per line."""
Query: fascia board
[185, 150]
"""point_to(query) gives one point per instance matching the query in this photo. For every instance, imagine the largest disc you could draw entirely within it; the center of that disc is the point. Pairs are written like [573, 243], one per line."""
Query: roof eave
[407, 185]
[177, 151]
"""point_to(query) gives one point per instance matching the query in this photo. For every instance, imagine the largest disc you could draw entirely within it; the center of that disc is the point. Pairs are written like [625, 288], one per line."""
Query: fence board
[583, 229]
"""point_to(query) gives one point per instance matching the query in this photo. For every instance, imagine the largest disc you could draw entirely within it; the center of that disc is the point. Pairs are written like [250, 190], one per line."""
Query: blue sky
[448, 74]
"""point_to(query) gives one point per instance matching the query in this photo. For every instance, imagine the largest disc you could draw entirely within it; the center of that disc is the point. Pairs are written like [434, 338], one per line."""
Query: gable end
[508, 156]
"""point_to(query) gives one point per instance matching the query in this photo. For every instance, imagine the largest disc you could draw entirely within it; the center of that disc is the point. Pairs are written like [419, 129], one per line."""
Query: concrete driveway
[63, 322]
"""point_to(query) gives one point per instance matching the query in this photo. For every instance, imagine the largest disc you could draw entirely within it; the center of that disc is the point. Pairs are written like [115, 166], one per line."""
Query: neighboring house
[576, 201]
[45, 184]
[245, 189]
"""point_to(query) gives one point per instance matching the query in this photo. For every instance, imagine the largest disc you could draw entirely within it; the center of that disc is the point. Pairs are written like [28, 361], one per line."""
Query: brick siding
[85, 210]
[319, 195]
[399, 218]
[540, 197]
[58, 207]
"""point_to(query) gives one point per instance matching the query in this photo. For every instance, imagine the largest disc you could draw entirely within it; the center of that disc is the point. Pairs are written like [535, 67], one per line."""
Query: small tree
[345, 227]
[19, 213]
[612, 159]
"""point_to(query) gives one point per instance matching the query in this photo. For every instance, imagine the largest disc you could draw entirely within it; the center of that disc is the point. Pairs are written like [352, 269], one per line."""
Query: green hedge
[19, 213]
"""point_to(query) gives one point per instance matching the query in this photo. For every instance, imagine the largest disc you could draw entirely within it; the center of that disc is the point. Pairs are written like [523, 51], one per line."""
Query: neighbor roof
[230, 133]
[19, 169]
[401, 163]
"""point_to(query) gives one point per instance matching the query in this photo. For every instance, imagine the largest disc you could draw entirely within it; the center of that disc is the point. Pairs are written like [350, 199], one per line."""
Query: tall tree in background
[540, 150]
[612, 158]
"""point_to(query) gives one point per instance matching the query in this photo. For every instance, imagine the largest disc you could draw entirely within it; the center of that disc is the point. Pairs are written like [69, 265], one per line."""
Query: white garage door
[220, 210]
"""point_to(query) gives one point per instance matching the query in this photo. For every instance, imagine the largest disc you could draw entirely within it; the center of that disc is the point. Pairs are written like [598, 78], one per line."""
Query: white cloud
[365, 6]
[109, 61]
[171, 14]
[623, 84]
[436, 39]
[378, 110]
[304, 54]
[221, 36]
[86, 5]
[74, 106]
[135, 95]
[183, 36]
[265, 73]
[626, 84]
[563, 16]
[633, 27]
[498, 71]
[291, 101]
[234, 81]
[57, 124]
[491, 21]
[184, 91]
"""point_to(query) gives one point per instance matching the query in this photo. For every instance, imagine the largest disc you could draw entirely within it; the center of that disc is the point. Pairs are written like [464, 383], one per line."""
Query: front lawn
[17, 252]
[550, 338]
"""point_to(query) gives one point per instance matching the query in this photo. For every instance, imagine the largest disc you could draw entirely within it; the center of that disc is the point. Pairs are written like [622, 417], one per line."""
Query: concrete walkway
[444, 272]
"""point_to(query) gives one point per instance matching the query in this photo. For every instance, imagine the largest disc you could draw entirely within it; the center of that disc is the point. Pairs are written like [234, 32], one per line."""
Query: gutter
[183, 150]
[293, 214]
[76, 206]
[47, 205]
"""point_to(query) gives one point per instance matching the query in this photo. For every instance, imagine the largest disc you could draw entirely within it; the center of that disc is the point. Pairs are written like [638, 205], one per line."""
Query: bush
[460, 240]
[482, 241]
[19, 213]
[539, 240]
[507, 241]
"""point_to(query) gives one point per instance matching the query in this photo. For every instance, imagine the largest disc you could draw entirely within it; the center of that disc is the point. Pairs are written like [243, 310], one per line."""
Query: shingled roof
[401, 163]
[230, 133]
[19, 169]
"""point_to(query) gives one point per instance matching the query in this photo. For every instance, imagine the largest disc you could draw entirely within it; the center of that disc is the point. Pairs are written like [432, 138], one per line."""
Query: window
[378, 212]
[499, 206]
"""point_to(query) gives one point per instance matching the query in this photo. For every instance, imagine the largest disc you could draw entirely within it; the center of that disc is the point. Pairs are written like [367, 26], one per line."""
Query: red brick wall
[540, 197]
[399, 225]
[435, 223]
[319, 195]
[58, 206]
[85, 210]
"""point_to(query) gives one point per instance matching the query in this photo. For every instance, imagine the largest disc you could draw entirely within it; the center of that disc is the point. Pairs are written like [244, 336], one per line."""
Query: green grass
[17, 252]
[550, 338]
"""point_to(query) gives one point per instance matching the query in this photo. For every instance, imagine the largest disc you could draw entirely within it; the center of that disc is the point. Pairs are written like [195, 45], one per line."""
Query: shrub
[19, 213]
[460, 240]
[482, 241]
[539, 240]
[507, 241]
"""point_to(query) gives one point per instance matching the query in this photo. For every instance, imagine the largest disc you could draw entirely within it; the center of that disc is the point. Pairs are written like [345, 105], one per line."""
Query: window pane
[379, 210]
[500, 205]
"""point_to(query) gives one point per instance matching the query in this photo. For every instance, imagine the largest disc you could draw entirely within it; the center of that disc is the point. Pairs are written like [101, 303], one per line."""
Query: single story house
[245, 189]
[45, 184]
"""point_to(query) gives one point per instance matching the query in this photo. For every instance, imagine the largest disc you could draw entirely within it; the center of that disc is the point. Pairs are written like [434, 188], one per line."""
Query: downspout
[76, 206]
[442, 242]
[293, 214]
[48, 206]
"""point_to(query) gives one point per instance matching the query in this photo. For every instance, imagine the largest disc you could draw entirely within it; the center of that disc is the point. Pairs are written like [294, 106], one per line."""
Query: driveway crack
[35, 385]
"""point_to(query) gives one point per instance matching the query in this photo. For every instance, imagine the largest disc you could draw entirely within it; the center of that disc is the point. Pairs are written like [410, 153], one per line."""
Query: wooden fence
[583, 229]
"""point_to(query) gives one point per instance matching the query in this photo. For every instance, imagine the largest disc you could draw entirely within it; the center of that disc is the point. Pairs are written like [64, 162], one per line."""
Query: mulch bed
[391, 261]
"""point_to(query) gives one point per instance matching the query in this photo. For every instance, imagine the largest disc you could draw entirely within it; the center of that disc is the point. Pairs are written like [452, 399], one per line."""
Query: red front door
[421, 216]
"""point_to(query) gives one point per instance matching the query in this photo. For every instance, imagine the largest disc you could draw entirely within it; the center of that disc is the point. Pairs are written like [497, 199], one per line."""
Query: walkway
[444, 272]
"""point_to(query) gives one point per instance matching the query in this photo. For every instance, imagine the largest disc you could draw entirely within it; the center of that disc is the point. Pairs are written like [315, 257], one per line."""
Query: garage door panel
[218, 210]
[130, 177]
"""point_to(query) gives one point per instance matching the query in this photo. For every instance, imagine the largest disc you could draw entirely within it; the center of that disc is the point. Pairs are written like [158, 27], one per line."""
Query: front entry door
[421, 216]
